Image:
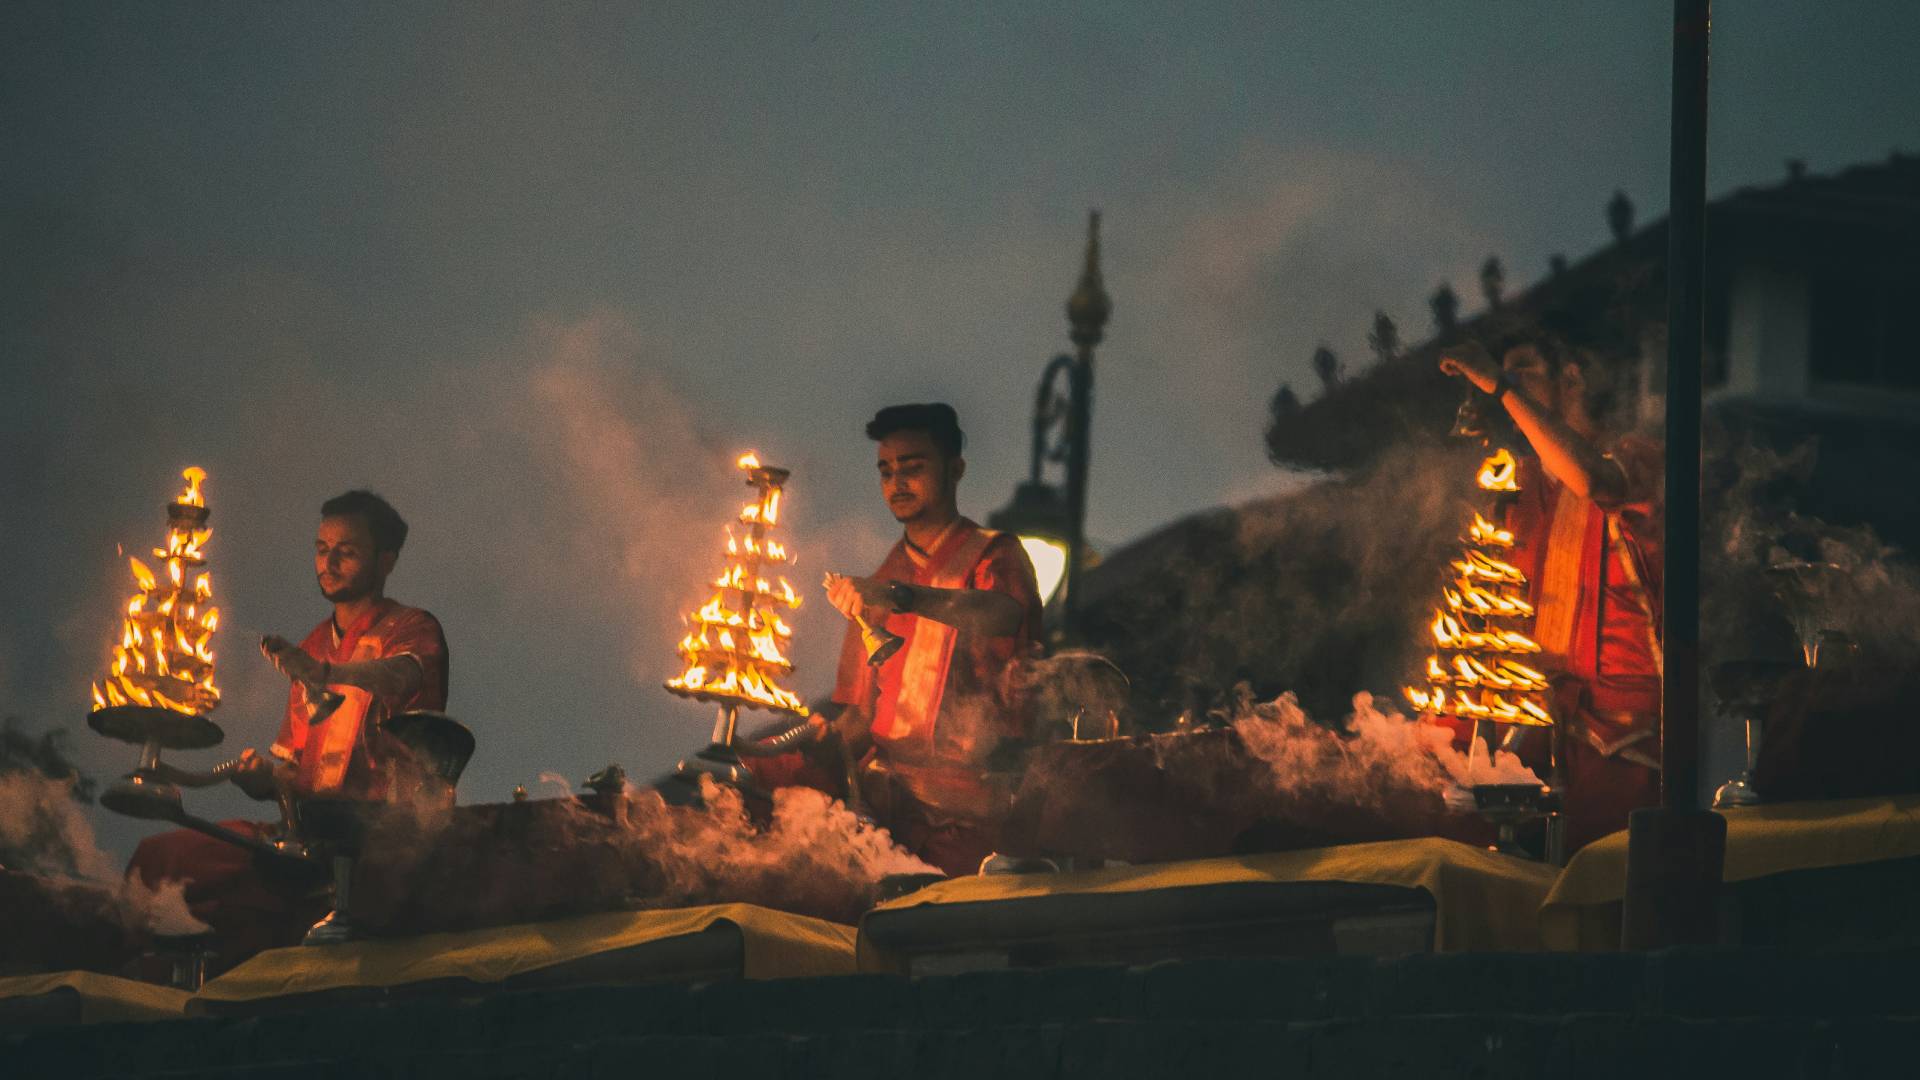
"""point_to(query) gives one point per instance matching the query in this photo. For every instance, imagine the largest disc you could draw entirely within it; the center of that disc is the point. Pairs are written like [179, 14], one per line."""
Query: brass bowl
[139, 724]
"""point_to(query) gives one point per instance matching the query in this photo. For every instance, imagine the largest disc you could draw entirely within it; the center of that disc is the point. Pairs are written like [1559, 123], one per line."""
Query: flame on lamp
[735, 645]
[1474, 673]
[165, 658]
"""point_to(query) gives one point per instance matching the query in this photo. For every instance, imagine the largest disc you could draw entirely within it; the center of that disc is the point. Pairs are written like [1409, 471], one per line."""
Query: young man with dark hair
[369, 660]
[1587, 535]
[383, 657]
[964, 600]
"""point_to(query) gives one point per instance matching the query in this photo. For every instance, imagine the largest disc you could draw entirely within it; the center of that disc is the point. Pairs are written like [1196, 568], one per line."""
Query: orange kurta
[1594, 580]
[342, 754]
[939, 706]
[943, 697]
[225, 887]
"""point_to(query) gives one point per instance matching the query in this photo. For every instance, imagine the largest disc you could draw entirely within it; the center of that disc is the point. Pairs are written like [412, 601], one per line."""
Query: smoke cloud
[814, 855]
[43, 831]
[429, 869]
[1382, 752]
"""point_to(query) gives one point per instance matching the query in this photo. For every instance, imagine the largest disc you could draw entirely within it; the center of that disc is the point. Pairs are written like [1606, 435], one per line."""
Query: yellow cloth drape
[1483, 900]
[102, 997]
[1583, 910]
[776, 945]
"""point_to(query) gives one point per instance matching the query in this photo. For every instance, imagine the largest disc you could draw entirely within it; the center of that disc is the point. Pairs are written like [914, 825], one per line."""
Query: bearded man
[370, 659]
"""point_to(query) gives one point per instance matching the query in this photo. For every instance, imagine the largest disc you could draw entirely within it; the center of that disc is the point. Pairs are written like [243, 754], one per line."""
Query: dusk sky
[538, 272]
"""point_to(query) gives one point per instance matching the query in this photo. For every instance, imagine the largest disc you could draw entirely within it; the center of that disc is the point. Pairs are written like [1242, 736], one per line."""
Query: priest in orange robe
[925, 723]
[1587, 535]
[372, 658]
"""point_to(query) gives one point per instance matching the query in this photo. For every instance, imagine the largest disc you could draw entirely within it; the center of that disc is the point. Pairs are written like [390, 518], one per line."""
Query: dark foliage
[45, 754]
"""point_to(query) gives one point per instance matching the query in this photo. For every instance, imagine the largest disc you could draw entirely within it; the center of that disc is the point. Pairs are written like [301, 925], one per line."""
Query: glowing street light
[1051, 520]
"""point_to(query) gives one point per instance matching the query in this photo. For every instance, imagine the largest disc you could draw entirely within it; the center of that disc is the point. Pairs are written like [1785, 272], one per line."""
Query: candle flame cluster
[165, 657]
[735, 647]
[1476, 672]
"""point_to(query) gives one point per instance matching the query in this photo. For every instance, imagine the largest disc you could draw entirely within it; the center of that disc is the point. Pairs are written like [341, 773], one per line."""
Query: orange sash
[1563, 577]
[929, 651]
[323, 767]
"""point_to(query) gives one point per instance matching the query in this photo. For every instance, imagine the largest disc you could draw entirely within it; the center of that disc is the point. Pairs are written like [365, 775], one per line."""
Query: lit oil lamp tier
[735, 648]
[160, 684]
[1480, 669]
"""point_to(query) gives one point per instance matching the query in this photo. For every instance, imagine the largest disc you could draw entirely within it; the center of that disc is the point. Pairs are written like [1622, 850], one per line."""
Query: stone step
[1435, 1048]
[1716, 989]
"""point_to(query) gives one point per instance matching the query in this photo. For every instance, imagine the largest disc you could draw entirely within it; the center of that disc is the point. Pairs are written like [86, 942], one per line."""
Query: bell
[879, 642]
[1471, 421]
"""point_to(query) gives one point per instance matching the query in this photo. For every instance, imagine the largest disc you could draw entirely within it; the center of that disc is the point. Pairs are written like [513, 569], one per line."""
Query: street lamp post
[1051, 522]
[1087, 311]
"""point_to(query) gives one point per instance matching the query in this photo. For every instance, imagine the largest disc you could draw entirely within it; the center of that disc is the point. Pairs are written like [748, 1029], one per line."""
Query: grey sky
[537, 272]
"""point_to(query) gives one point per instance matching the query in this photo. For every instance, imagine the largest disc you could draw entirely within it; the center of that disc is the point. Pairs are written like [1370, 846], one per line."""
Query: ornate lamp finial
[1088, 307]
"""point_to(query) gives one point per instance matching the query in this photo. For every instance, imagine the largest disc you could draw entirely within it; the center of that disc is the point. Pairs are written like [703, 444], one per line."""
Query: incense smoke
[429, 870]
[814, 856]
[44, 832]
[1380, 751]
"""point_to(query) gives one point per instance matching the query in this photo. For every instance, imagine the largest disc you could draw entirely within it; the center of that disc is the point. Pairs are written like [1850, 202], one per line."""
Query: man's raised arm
[985, 612]
[396, 677]
[1566, 454]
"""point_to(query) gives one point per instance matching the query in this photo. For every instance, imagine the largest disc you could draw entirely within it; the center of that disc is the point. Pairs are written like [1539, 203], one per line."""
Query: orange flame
[1483, 531]
[195, 476]
[165, 658]
[1497, 472]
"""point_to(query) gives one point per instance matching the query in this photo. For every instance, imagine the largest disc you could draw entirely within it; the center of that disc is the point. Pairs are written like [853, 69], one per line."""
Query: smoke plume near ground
[44, 832]
[428, 869]
[814, 854]
[1382, 751]
[1271, 779]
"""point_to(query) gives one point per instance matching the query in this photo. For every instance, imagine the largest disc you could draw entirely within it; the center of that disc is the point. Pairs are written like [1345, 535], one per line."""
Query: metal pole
[1686, 257]
[1087, 311]
[1676, 852]
[1079, 419]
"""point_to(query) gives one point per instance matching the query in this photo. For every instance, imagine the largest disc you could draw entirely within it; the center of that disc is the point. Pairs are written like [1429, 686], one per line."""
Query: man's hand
[859, 598]
[255, 775]
[292, 661]
[1469, 360]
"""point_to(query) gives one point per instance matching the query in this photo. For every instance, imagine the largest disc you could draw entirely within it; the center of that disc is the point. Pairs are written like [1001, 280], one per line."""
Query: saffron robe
[344, 753]
[944, 697]
[1594, 579]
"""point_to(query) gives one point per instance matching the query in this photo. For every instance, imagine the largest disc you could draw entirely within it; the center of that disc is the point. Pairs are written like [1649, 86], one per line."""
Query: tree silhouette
[1620, 216]
[1492, 280]
[46, 754]
[1384, 338]
[1327, 366]
[1282, 412]
[1446, 308]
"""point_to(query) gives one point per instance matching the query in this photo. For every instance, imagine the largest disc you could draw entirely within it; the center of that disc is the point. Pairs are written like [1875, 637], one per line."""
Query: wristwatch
[1500, 387]
[900, 595]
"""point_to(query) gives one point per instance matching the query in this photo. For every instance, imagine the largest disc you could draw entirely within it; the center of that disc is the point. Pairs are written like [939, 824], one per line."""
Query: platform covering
[1485, 901]
[1582, 912]
[768, 944]
[94, 998]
